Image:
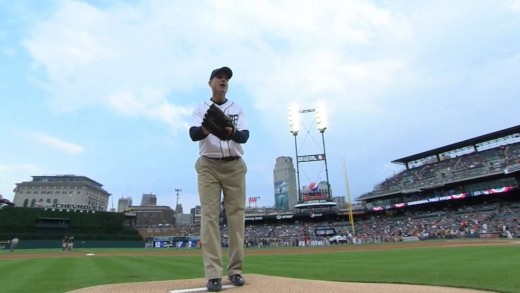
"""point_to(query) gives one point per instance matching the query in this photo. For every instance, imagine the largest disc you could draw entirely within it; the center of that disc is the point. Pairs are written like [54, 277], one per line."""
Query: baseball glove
[218, 123]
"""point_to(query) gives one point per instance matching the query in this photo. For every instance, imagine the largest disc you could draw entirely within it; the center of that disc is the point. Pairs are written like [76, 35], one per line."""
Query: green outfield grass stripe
[472, 267]
[35, 275]
[130, 269]
[492, 268]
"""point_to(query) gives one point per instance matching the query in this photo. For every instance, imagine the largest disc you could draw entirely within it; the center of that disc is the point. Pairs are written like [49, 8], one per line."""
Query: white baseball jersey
[212, 146]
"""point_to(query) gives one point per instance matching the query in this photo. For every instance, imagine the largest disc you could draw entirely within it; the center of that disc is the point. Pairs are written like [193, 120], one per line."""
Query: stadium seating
[446, 223]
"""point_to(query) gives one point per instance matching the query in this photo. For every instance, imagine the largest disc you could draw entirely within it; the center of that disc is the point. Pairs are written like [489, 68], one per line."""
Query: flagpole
[347, 189]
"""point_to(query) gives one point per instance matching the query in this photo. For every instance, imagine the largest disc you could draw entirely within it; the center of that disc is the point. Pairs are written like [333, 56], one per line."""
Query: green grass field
[493, 268]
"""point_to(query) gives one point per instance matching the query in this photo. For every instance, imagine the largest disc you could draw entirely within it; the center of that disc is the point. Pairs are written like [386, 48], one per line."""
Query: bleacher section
[473, 221]
[450, 170]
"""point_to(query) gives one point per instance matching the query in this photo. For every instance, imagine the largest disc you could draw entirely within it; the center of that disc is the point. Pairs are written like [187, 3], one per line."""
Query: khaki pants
[214, 178]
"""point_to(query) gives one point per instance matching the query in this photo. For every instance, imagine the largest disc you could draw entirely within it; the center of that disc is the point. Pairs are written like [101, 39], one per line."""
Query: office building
[62, 191]
[285, 190]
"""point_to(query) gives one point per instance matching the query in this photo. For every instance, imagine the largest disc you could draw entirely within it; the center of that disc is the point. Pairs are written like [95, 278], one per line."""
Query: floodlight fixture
[321, 116]
[294, 119]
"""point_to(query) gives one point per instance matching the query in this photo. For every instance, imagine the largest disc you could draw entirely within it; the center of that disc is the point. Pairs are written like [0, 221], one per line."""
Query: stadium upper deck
[491, 155]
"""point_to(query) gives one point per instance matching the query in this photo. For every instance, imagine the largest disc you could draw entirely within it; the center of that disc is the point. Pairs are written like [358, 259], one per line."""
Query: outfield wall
[51, 224]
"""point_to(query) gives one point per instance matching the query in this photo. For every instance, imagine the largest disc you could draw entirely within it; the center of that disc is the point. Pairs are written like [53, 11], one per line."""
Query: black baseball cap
[224, 70]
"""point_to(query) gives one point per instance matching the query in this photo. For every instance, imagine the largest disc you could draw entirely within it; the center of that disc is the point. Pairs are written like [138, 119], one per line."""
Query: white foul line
[201, 289]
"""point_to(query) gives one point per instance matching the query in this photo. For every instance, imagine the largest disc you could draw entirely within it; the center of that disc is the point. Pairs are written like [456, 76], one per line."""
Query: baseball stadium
[449, 222]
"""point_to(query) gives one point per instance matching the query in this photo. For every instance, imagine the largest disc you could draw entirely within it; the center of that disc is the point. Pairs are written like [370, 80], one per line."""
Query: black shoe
[214, 285]
[237, 280]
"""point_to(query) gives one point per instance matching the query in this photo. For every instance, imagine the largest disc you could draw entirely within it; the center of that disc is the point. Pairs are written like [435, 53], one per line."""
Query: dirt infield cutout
[269, 284]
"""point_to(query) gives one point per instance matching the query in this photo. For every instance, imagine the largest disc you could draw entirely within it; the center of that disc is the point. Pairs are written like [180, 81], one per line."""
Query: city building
[285, 190]
[195, 213]
[149, 199]
[124, 203]
[61, 191]
[152, 216]
[340, 201]
[183, 220]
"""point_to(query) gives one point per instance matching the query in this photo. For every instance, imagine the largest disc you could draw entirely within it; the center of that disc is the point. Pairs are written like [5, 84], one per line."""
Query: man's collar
[219, 103]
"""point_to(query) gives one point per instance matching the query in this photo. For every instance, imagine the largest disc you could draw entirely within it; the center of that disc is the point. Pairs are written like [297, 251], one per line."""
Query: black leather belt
[225, 159]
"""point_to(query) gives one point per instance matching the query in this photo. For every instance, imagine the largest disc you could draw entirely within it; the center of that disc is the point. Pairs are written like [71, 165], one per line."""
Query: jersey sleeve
[198, 115]
[242, 121]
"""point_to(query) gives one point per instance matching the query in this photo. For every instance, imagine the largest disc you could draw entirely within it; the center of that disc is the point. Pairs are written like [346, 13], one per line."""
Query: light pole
[177, 190]
[294, 128]
[321, 121]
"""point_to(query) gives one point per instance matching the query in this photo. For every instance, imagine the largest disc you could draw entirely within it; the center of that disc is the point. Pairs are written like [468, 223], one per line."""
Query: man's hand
[218, 123]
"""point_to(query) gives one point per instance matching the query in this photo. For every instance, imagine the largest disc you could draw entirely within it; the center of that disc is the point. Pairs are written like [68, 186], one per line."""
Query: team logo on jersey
[234, 118]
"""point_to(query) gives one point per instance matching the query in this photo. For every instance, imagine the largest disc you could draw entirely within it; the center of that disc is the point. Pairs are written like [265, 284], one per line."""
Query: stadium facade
[473, 169]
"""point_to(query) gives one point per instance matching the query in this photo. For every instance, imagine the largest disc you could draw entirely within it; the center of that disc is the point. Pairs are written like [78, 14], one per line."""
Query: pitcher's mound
[268, 284]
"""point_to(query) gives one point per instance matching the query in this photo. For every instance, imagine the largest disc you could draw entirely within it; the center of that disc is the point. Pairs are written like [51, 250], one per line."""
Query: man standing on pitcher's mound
[220, 127]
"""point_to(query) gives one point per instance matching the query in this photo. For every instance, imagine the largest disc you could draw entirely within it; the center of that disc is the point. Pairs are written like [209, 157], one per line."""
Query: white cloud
[56, 143]
[150, 104]
[73, 39]
[116, 56]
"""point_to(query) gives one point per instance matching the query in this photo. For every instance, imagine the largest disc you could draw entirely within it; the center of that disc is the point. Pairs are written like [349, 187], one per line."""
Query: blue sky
[105, 89]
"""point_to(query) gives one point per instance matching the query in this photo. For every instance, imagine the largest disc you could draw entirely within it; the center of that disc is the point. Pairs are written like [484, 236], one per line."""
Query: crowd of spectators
[488, 219]
[498, 219]
[450, 169]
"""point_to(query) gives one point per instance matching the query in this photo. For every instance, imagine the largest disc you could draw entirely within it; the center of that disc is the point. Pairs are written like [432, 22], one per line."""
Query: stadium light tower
[294, 128]
[177, 190]
[321, 121]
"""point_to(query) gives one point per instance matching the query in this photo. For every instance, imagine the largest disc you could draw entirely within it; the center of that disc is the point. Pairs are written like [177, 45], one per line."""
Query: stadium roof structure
[468, 144]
